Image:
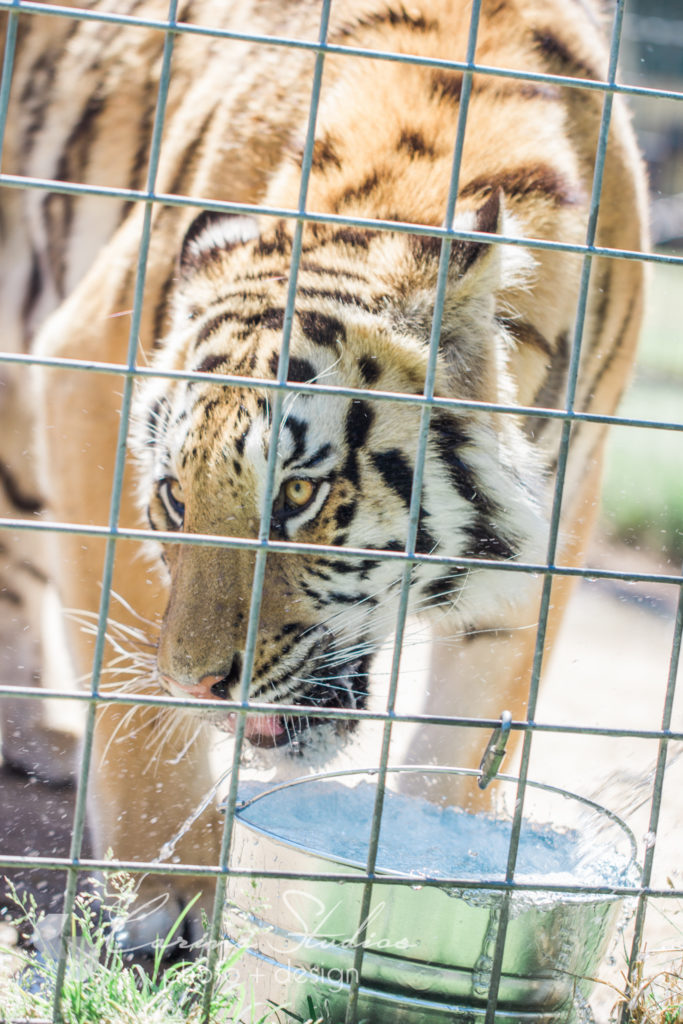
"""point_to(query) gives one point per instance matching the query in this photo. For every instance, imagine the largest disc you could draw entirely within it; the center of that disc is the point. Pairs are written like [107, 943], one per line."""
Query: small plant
[654, 998]
[100, 987]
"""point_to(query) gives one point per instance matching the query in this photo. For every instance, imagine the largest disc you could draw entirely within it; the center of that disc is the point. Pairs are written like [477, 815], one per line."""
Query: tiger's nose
[212, 687]
[208, 688]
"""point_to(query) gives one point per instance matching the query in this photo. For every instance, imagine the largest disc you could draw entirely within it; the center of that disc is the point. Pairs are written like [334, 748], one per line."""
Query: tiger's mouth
[342, 687]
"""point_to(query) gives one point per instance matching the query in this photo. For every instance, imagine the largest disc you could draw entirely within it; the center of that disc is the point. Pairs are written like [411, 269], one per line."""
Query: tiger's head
[344, 465]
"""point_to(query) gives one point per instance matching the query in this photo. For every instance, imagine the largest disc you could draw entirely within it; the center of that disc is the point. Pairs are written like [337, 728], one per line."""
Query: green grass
[661, 341]
[101, 988]
[643, 488]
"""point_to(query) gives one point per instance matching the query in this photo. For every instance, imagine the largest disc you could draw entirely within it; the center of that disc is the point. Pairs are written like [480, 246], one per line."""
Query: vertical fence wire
[261, 553]
[655, 810]
[114, 512]
[413, 518]
[264, 525]
[558, 493]
[7, 69]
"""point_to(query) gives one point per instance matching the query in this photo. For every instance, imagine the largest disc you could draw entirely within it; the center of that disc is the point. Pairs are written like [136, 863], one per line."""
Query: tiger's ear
[488, 219]
[211, 234]
[469, 258]
[472, 343]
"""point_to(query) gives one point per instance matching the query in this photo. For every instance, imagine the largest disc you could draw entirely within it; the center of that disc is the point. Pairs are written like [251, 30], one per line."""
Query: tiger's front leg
[490, 670]
[30, 743]
[149, 772]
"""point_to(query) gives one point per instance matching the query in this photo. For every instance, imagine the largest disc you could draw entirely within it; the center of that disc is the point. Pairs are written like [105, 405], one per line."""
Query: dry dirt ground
[609, 668]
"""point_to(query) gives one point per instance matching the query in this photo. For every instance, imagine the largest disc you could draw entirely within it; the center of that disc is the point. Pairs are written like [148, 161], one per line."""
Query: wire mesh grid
[279, 389]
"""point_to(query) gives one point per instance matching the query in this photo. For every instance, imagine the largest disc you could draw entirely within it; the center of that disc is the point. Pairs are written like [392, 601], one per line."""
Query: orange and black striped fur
[82, 110]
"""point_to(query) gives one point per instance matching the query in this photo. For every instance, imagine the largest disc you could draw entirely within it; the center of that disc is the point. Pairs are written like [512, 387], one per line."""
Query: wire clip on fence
[495, 750]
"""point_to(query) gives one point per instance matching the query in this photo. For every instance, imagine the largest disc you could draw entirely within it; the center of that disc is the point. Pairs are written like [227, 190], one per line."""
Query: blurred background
[643, 495]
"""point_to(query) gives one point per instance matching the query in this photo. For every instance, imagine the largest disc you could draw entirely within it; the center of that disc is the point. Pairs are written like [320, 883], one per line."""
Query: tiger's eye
[175, 492]
[170, 494]
[299, 492]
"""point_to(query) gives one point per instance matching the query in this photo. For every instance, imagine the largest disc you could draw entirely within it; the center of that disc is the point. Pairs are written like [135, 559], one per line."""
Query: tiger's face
[343, 472]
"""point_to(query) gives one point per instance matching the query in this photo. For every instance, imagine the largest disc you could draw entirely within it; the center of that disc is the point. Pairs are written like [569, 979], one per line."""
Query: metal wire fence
[114, 533]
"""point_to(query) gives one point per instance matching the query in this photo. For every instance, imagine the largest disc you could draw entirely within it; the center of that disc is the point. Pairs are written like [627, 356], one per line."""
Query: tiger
[236, 142]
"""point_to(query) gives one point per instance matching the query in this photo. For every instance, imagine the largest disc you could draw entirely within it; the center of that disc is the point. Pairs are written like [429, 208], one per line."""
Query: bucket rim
[611, 816]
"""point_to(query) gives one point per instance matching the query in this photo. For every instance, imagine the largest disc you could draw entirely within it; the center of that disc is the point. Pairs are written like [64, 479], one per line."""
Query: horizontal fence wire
[135, 867]
[115, 534]
[187, 28]
[268, 384]
[334, 714]
[333, 219]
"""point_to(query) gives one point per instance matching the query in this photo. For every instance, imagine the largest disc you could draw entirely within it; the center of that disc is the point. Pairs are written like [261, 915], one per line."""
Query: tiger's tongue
[263, 726]
[261, 729]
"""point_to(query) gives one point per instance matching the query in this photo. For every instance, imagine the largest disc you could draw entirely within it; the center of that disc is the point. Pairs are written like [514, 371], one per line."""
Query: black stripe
[138, 168]
[448, 438]
[36, 96]
[344, 514]
[447, 85]
[370, 369]
[319, 268]
[485, 542]
[325, 330]
[346, 568]
[33, 290]
[361, 191]
[161, 311]
[603, 289]
[558, 55]
[526, 181]
[345, 298]
[157, 420]
[325, 154]
[58, 209]
[271, 319]
[607, 361]
[357, 238]
[525, 333]
[210, 363]
[31, 570]
[299, 371]
[359, 419]
[339, 598]
[319, 456]
[318, 573]
[299, 430]
[397, 474]
[415, 144]
[549, 394]
[277, 241]
[211, 326]
[442, 589]
[394, 17]
[241, 441]
[22, 502]
[187, 160]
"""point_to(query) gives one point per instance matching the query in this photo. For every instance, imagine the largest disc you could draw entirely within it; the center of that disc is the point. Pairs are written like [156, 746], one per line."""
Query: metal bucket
[429, 948]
